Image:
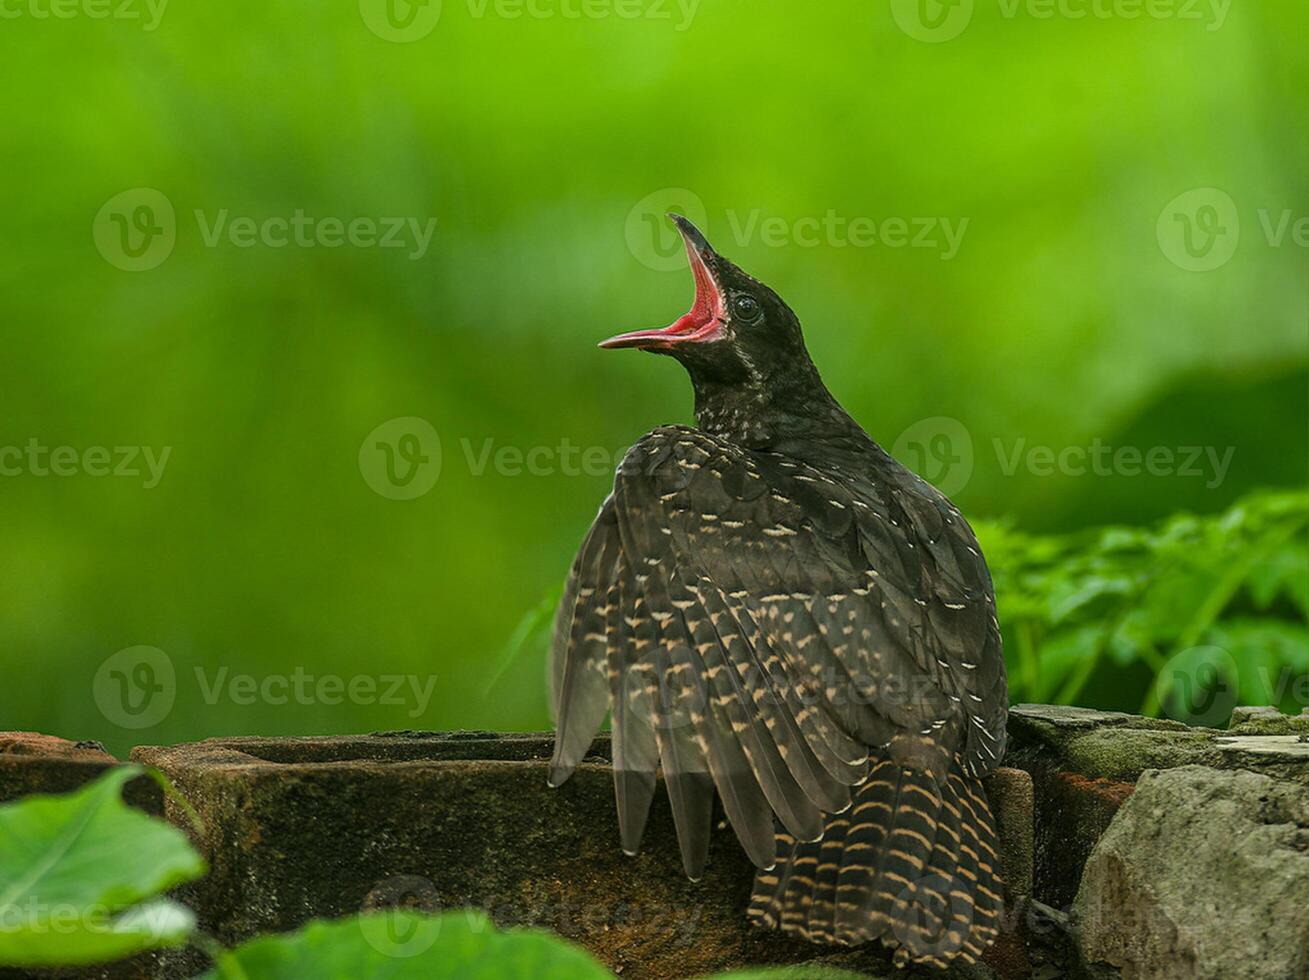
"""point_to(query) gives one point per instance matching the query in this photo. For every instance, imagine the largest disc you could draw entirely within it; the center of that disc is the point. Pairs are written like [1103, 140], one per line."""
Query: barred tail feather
[913, 863]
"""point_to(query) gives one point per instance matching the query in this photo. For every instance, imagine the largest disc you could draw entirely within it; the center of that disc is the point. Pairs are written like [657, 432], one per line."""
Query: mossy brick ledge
[34, 763]
[296, 828]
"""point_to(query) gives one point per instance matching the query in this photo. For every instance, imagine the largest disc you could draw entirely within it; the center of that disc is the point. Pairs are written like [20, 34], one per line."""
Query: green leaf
[532, 631]
[399, 944]
[1284, 572]
[804, 972]
[1272, 658]
[75, 870]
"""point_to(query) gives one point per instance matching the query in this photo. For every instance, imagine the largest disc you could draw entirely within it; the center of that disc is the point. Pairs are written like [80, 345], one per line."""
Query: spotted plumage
[771, 608]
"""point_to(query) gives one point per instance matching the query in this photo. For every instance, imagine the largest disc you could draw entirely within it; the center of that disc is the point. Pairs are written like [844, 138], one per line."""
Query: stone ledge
[1085, 764]
[35, 763]
[1203, 875]
[302, 827]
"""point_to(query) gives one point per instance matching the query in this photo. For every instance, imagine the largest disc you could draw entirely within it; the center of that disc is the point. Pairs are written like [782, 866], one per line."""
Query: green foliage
[399, 944]
[806, 972]
[1223, 597]
[80, 875]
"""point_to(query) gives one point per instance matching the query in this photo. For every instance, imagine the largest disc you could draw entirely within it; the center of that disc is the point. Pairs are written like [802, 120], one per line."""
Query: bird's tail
[912, 862]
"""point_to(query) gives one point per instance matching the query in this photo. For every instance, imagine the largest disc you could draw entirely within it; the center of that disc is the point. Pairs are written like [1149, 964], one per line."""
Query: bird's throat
[767, 412]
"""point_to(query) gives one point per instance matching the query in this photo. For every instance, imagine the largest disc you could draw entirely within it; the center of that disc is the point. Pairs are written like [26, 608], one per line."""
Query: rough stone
[1009, 792]
[1203, 875]
[1084, 764]
[1119, 747]
[1267, 721]
[33, 763]
[296, 828]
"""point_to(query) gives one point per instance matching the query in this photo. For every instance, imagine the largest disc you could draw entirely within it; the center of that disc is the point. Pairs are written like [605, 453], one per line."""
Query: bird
[772, 609]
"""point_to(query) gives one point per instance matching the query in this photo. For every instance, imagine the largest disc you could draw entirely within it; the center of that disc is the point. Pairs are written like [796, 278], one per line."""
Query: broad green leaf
[75, 871]
[804, 972]
[1285, 571]
[399, 944]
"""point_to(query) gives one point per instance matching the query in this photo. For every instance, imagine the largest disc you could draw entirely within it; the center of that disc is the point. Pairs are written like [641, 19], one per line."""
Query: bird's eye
[746, 307]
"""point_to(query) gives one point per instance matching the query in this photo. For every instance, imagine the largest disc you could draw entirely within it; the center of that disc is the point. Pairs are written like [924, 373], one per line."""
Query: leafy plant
[1225, 596]
[402, 944]
[81, 875]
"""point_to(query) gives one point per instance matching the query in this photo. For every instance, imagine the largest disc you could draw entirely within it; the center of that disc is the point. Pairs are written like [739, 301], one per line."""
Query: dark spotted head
[737, 332]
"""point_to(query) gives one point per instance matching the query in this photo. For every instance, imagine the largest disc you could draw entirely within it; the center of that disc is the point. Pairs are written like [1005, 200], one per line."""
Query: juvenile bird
[772, 607]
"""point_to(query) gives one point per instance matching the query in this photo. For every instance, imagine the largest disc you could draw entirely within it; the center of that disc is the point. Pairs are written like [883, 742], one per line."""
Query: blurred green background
[1074, 154]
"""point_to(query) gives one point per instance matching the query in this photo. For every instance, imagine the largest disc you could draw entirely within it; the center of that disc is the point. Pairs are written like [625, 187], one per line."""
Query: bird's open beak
[708, 313]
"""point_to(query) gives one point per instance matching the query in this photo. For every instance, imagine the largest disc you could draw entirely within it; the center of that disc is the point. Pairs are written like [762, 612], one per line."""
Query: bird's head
[738, 331]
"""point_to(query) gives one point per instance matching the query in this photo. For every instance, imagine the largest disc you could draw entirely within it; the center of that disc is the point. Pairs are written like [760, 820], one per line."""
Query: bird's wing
[757, 626]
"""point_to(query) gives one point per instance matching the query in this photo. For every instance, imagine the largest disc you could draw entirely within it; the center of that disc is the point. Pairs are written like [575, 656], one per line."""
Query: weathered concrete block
[1084, 764]
[34, 763]
[1203, 875]
[1009, 792]
[1119, 747]
[1267, 721]
[296, 828]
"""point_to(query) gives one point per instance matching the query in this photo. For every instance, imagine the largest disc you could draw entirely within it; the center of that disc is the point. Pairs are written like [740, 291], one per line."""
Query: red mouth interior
[703, 322]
